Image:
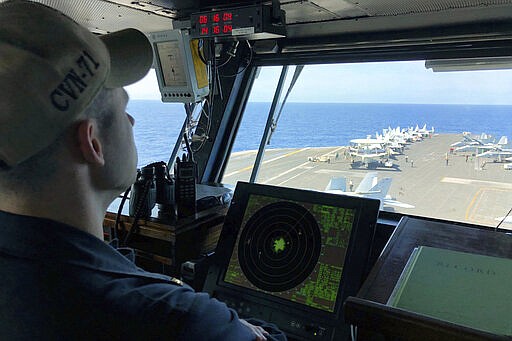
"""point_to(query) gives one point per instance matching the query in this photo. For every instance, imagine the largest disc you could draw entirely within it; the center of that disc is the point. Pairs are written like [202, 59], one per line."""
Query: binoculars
[153, 186]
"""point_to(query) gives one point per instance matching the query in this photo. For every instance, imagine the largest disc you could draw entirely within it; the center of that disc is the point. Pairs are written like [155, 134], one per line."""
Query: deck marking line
[284, 173]
[337, 171]
[239, 171]
[243, 152]
[470, 215]
[470, 206]
[476, 182]
[285, 155]
[295, 168]
[293, 177]
[265, 162]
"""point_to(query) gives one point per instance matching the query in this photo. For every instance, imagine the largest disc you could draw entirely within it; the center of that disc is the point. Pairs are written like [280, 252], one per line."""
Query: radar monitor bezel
[356, 264]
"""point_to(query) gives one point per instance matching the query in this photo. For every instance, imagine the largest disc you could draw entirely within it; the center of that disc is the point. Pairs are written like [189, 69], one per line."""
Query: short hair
[33, 172]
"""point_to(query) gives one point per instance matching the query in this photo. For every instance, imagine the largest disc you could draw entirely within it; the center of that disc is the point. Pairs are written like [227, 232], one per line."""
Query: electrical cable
[138, 211]
[213, 72]
[191, 123]
[206, 131]
[353, 332]
[203, 58]
[113, 233]
[199, 53]
[210, 102]
[246, 66]
[225, 62]
[190, 152]
[219, 84]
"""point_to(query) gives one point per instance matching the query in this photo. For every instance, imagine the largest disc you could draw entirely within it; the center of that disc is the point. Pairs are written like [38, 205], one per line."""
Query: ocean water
[316, 124]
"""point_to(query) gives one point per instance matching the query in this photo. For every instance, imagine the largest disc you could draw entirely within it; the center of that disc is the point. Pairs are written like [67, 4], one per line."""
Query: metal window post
[270, 121]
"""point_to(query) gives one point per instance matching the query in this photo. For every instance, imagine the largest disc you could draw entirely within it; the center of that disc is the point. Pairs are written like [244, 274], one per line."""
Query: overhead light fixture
[469, 64]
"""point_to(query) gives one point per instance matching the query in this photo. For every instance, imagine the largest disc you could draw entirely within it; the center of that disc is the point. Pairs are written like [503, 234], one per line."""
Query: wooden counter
[163, 244]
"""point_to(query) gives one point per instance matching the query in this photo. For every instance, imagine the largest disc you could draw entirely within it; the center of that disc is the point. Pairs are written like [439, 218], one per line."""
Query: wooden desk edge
[408, 325]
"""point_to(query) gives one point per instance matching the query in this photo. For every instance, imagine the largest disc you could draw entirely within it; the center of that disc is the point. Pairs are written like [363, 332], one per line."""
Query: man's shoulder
[58, 247]
[67, 279]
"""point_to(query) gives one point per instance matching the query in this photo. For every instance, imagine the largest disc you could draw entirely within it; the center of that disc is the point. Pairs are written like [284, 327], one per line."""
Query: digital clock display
[215, 23]
[236, 23]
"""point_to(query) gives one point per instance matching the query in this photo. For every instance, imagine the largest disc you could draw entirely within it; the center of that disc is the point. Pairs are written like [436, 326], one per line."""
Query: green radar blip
[279, 245]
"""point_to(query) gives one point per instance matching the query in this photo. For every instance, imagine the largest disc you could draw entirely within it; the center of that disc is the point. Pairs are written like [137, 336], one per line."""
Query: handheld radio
[185, 186]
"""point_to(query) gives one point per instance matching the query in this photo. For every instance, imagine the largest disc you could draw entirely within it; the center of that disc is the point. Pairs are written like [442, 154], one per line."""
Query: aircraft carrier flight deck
[463, 188]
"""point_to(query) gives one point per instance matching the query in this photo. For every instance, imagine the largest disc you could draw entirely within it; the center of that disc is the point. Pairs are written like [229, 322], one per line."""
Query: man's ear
[90, 144]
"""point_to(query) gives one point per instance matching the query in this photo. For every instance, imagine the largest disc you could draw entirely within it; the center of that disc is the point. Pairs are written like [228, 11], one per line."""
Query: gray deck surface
[460, 191]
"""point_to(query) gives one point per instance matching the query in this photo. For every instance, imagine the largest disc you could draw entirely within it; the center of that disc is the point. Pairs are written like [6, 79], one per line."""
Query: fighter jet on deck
[369, 187]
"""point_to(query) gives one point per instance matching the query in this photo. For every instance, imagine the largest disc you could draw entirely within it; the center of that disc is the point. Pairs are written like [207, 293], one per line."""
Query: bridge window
[426, 143]
[245, 149]
[157, 124]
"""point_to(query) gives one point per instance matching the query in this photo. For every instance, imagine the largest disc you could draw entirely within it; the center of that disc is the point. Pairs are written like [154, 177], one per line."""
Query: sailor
[66, 151]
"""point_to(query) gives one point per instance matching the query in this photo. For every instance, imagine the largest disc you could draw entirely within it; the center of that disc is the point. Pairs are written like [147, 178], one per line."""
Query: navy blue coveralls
[60, 283]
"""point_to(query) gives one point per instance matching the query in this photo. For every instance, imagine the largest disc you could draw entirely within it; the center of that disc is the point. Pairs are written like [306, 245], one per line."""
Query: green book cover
[463, 288]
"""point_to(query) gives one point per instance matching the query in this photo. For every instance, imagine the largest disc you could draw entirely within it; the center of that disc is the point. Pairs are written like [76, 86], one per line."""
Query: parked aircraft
[468, 140]
[369, 187]
[421, 133]
[372, 153]
[393, 142]
[498, 155]
[481, 145]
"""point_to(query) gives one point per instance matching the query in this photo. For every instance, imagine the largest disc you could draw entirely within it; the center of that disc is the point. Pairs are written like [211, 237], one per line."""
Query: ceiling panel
[302, 12]
[320, 10]
[157, 15]
[343, 9]
[401, 7]
[103, 16]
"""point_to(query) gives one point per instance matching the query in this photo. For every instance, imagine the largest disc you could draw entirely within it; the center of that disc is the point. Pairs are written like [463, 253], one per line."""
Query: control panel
[297, 326]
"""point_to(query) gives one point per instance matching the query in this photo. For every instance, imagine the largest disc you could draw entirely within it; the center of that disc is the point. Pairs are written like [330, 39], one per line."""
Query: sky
[382, 82]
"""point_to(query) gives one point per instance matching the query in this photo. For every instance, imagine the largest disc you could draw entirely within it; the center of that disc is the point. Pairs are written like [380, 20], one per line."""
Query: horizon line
[395, 103]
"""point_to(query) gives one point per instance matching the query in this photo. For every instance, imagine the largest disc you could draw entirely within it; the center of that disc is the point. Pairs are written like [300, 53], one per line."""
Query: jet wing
[391, 202]
[337, 184]
[366, 185]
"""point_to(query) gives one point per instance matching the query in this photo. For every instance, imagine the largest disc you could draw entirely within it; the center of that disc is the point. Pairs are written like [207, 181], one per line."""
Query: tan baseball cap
[51, 68]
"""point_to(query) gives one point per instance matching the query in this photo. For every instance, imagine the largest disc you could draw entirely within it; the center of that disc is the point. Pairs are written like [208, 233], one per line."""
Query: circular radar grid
[279, 246]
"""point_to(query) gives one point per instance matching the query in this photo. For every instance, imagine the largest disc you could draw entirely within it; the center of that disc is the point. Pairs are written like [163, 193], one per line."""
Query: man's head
[51, 70]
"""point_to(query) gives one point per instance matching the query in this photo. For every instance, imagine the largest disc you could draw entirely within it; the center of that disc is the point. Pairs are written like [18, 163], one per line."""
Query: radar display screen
[292, 250]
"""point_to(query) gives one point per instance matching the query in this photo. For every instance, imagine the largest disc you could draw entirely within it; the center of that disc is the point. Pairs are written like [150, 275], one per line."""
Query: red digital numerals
[219, 20]
[227, 16]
